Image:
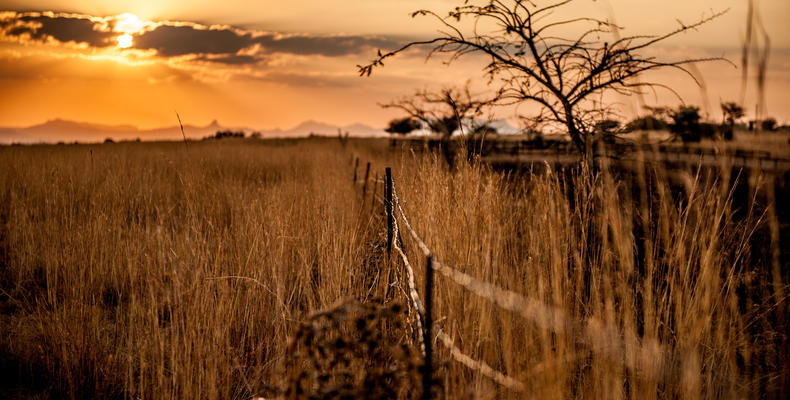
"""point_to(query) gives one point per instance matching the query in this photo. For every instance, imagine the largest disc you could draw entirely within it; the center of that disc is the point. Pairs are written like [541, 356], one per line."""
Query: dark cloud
[170, 41]
[330, 46]
[210, 44]
[62, 29]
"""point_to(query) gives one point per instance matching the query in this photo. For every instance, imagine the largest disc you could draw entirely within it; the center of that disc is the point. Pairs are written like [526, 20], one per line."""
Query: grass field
[161, 270]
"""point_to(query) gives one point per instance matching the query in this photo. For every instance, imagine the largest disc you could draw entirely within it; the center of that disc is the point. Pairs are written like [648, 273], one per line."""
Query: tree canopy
[531, 61]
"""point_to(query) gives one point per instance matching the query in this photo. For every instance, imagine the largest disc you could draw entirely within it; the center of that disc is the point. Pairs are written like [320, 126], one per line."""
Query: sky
[267, 64]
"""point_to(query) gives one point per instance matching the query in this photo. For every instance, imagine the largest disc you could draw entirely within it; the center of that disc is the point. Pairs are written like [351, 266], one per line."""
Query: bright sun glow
[125, 41]
[128, 23]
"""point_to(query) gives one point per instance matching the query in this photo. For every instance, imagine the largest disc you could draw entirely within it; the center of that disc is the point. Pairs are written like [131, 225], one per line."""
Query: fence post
[365, 184]
[388, 205]
[427, 373]
[356, 164]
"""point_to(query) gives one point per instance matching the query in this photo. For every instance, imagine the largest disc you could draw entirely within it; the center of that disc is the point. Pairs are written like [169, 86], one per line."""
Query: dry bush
[353, 351]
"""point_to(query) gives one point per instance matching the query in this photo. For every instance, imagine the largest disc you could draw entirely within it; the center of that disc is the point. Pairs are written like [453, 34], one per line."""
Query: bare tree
[530, 62]
[444, 111]
[448, 110]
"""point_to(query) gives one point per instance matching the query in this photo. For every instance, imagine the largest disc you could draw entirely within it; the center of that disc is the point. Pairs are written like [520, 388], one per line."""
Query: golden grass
[120, 262]
[157, 271]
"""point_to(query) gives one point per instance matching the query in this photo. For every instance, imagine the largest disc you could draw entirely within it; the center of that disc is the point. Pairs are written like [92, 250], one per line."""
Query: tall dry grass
[156, 271]
[652, 276]
[148, 271]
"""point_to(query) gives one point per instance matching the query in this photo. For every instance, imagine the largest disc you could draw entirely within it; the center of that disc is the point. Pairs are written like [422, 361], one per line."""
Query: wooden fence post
[388, 204]
[427, 373]
[365, 183]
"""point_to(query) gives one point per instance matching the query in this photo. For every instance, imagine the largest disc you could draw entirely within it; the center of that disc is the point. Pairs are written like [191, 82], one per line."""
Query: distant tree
[646, 123]
[768, 124]
[531, 62]
[228, 134]
[255, 135]
[732, 112]
[686, 124]
[402, 126]
[109, 140]
[443, 111]
[607, 129]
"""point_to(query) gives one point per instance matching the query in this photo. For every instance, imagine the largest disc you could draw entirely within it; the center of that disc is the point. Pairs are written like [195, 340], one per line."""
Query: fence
[601, 339]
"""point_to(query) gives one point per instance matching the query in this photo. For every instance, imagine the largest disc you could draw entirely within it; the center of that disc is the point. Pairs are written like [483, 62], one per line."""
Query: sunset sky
[267, 64]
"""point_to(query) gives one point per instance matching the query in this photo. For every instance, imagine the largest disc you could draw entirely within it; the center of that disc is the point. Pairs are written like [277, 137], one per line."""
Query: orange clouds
[72, 66]
[219, 44]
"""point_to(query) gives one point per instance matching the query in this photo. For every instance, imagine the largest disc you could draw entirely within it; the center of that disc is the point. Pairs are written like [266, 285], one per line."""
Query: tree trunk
[582, 143]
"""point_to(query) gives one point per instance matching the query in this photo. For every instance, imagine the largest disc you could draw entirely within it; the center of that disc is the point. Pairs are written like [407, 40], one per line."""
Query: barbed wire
[413, 294]
[533, 310]
[601, 338]
[480, 366]
[597, 335]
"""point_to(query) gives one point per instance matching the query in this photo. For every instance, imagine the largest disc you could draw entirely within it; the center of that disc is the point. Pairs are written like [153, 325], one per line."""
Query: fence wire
[480, 366]
[413, 294]
[623, 347]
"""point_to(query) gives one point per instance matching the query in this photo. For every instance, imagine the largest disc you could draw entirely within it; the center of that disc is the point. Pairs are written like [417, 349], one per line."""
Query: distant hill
[59, 130]
[322, 129]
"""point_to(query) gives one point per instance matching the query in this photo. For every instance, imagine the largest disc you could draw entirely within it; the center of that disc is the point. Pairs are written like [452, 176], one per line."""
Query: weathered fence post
[356, 164]
[388, 205]
[365, 184]
[427, 373]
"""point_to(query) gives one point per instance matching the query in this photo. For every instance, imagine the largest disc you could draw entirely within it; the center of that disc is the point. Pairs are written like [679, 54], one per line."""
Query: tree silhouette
[686, 124]
[402, 126]
[607, 129]
[768, 124]
[732, 112]
[443, 111]
[529, 62]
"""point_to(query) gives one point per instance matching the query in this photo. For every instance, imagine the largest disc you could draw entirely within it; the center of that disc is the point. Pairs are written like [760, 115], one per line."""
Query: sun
[127, 25]
[124, 41]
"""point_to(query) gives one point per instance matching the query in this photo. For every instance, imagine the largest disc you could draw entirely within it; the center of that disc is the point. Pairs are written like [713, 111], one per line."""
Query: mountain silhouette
[60, 130]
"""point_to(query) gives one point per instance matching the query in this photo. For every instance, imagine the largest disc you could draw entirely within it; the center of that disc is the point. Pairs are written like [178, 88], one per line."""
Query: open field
[166, 270]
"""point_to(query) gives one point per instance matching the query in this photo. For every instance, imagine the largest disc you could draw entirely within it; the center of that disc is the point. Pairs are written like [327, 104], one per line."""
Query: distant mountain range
[59, 130]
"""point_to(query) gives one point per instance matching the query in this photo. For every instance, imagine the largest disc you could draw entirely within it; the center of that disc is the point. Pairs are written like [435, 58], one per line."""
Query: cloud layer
[216, 44]
[63, 29]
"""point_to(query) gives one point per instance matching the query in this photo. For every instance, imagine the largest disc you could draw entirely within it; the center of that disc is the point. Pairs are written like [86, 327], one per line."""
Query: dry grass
[155, 271]
[685, 285]
[123, 264]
